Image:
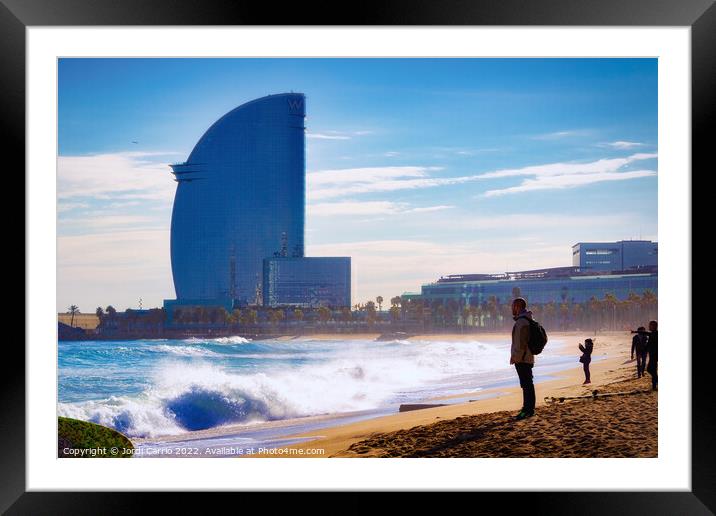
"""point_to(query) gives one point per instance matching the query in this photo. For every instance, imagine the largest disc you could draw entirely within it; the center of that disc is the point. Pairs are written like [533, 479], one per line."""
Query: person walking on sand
[638, 345]
[652, 350]
[522, 357]
[586, 358]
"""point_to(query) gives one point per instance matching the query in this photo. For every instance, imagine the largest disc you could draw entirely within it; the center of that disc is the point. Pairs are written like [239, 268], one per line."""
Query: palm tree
[452, 310]
[577, 314]
[492, 310]
[476, 314]
[249, 317]
[346, 314]
[396, 301]
[549, 312]
[74, 309]
[611, 301]
[649, 301]
[379, 300]
[440, 313]
[275, 316]
[324, 314]
[466, 312]
[394, 313]
[595, 312]
[298, 314]
[99, 313]
[563, 314]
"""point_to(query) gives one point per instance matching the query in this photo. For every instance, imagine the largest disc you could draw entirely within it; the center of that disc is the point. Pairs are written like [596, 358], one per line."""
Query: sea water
[154, 388]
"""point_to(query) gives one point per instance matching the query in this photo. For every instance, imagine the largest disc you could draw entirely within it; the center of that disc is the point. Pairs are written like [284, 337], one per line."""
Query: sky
[416, 168]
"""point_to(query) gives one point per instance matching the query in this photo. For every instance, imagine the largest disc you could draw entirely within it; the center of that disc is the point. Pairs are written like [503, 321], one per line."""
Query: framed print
[421, 243]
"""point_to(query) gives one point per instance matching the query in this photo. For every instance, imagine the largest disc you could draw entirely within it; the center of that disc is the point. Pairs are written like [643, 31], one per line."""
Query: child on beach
[586, 358]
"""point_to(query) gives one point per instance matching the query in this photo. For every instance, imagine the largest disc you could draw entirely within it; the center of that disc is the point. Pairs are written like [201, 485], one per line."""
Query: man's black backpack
[538, 337]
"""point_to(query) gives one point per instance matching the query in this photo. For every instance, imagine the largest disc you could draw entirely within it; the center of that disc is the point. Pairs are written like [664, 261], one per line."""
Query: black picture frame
[700, 15]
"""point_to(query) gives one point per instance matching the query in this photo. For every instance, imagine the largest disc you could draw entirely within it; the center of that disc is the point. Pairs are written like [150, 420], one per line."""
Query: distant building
[241, 198]
[307, 282]
[563, 284]
[617, 268]
[615, 256]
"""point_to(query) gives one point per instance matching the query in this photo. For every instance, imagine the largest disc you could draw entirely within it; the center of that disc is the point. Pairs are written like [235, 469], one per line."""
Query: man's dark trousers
[524, 371]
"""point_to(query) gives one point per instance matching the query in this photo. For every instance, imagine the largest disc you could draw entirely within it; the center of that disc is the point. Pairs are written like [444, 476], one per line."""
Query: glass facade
[240, 198]
[307, 282]
[574, 289]
[615, 256]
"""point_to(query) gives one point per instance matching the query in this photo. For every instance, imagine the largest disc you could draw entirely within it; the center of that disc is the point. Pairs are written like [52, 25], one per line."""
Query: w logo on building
[295, 106]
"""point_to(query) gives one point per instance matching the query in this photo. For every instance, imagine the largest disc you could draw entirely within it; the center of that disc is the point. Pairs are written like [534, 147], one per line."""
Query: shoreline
[335, 432]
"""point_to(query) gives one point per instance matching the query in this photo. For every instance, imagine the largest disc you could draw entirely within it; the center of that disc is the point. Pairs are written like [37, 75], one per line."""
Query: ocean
[156, 388]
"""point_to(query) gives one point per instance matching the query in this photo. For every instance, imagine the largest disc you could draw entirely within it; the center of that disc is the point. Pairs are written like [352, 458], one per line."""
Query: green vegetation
[77, 438]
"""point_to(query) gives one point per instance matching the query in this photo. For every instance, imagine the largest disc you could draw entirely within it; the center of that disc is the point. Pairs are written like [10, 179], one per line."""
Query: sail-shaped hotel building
[240, 201]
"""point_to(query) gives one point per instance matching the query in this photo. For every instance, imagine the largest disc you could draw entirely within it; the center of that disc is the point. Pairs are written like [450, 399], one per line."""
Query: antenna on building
[232, 273]
[140, 303]
[258, 299]
[284, 245]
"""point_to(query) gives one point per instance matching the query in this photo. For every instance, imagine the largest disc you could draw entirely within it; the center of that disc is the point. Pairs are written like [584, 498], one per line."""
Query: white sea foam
[187, 351]
[337, 377]
[219, 340]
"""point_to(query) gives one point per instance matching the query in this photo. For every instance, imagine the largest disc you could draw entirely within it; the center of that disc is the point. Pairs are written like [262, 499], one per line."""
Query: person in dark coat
[652, 351]
[586, 358]
[638, 345]
[522, 357]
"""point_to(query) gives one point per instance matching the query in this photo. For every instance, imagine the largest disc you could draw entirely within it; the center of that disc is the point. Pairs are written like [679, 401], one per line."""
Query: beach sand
[619, 426]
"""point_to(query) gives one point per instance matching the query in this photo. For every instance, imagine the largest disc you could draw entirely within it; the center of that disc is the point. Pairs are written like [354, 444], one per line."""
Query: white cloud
[621, 144]
[537, 222]
[425, 209]
[336, 135]
[367, 208]
[348, 176]
[101, 220]
[569, 181]
[558, 135]
[569, 175]
[125, 175]
[560, 169]
[327, 184]
[321, 136]
[70, 206]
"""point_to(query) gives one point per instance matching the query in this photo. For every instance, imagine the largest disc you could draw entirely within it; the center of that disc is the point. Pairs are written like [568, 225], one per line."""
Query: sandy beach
[619, 426]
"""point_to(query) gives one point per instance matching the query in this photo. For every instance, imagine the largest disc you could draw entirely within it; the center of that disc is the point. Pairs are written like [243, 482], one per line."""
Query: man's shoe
[523, 415]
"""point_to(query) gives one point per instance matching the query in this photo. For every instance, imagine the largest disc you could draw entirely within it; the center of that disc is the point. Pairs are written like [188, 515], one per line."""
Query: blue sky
[415, 167]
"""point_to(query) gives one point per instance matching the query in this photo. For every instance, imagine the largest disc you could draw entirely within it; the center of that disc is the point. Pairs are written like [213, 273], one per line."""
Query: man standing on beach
[522, 357]
[652, 349]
